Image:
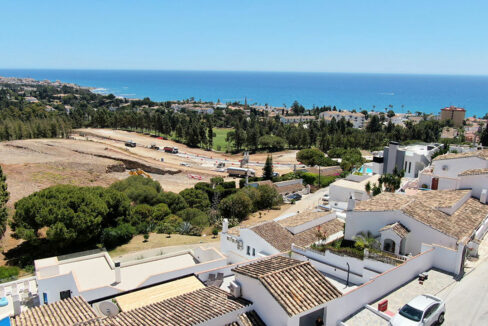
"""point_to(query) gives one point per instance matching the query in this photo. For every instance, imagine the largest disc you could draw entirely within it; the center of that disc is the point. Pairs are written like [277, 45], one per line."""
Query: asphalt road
[467, 300]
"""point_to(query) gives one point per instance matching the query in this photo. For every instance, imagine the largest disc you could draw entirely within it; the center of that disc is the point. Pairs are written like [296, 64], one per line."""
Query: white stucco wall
[373, 221]
[249, 238]
[476, 182]
[54, 285]
[453, 167]
[265, 305]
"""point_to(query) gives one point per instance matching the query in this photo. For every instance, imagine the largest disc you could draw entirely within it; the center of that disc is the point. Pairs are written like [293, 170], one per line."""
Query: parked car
[294, 197]
[185, 164]
[424, 310]
[326, 197]
[275, 174]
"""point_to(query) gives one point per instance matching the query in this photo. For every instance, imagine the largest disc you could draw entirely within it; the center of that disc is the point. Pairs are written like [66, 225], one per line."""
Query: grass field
[219, 139]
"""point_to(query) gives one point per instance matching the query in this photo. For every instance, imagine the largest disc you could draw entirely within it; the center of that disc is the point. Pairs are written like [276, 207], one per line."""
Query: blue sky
[435, 37]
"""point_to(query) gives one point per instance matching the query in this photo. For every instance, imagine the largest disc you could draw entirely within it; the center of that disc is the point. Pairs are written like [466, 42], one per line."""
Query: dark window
[44, 297]
[253, 251]
[65, 294]
[409, 166]
[248, 250]
[431, 310]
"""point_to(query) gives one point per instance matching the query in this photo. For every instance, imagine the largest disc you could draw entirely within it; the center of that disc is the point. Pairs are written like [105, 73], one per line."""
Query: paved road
[467, 300]
[308, 202]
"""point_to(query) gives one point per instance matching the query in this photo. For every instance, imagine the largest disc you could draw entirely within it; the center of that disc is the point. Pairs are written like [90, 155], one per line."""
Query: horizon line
[254, 71]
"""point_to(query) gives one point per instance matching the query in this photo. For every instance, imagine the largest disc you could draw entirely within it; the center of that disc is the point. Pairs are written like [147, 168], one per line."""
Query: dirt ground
[98, 157]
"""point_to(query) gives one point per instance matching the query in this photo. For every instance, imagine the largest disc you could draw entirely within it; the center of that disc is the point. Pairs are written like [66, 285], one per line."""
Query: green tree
[236, 206]
[194, 216]
[4, 196]
[268, 168]
[484, 136]
[174, 201]
[268, 197]
[160, 211]
[314, 156]
[196, 198]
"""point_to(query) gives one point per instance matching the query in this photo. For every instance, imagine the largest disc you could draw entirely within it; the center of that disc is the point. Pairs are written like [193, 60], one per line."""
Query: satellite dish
[108, 308]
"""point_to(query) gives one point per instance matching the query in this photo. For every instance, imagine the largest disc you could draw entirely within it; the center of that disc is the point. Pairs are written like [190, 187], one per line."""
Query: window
[248, 250]
[253, 252]
[431, 310]
[44, 298]
[409, 166]
[445, 168]
[65, 294]
[405, 168]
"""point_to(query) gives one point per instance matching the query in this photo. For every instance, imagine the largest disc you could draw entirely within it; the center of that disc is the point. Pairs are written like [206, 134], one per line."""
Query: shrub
[236, 206]
[140, 190]
[194, 216]
[268, 197]
[141, 214]
[174, 201]
[116, 236]
[160, 211]
[196, 198]
[8, 272]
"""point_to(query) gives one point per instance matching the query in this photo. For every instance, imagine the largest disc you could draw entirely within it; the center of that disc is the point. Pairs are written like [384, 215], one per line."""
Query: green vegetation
[350, 158]
[4, 196]
[8, 272]
[314, 156]
[268, 168]
[219, 141]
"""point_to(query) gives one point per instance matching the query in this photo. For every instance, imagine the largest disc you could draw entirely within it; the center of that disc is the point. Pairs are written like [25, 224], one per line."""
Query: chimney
[16, 304]
[225, 225]
[118, 276]
[351, 203]
[484, 196]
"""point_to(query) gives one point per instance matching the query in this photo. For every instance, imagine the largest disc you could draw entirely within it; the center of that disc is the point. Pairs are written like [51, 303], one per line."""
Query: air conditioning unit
[235, 289]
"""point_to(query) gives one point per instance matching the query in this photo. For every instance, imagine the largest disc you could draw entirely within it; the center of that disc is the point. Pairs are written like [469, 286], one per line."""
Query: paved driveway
[467, 300]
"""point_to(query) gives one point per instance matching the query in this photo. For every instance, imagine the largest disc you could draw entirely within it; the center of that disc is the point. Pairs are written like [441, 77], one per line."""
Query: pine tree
[268, 168]
[484, 136]
[4, 196]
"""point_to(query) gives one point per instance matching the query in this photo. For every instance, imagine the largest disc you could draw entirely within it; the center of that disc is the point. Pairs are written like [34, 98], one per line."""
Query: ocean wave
[388, 94]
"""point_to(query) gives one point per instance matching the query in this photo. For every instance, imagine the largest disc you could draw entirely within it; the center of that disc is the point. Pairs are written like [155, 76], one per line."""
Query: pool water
[368, 170]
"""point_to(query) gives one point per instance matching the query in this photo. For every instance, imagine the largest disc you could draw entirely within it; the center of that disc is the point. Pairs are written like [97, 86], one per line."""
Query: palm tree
[366, 240]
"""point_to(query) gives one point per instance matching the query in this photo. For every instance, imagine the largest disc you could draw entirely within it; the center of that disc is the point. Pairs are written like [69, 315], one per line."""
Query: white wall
[373, 221]
[376, 288]
[476, 182]
[249, 238]
[53, 285]
[265, 304]
[454, 167]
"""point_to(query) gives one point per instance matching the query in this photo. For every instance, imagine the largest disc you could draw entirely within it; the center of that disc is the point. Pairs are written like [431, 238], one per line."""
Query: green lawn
[219, 139]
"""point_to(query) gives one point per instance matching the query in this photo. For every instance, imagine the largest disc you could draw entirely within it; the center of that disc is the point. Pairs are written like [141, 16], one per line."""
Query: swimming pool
[368, 170]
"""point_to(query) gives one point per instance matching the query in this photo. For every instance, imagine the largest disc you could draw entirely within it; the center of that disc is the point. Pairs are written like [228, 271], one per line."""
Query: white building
[297, 119]
[403, 223]
[357, 119]
[96, 275]
[467, 170]
[412, 159]
[353, 186]
[272, 237]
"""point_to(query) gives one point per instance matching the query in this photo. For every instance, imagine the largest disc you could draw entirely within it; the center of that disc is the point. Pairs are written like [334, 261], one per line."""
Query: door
[435, 183]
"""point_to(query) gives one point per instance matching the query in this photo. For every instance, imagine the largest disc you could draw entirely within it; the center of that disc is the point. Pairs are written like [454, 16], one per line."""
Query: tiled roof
[251, 318]
[474, 172]
[266, 266]
[281, 239]
[299, 288]
[61, 313]
[483, 154]
[398, 228]
[301, 218]
[192, 308]
[423, 208]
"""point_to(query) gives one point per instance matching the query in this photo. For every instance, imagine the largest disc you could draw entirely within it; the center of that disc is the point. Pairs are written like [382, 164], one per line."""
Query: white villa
[467, 170]
[404, 224]
[95, 275]
[353, 186]
[272, 237]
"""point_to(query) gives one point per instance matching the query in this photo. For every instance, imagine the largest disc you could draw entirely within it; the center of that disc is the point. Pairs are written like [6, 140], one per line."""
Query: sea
[346, 91]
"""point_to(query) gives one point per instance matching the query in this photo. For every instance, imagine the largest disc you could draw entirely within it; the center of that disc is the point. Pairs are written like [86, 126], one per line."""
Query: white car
[185, 164]
[424, 310]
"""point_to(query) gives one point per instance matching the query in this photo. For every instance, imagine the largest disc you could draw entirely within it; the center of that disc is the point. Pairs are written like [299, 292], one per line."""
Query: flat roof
[158, 293]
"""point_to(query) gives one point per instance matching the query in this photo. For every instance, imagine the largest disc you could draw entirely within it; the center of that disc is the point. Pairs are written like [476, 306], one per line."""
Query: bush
[271, 143]
[140, 190]
[194, 216]
[236, 206]
[174, 201]
[268, 197]
[160, 211]
[141, 214]
[196, 198]
[113, 237]
[254, 194]
[7, 272]
[314, 156]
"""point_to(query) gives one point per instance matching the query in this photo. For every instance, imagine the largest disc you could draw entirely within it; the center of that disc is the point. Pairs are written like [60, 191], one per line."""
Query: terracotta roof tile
[251, 318]
[483, 154]
[474, 172]
[301, 218]
[192, 308]
[398, 228]
[61, 313]
[282, 239]
[266, 266]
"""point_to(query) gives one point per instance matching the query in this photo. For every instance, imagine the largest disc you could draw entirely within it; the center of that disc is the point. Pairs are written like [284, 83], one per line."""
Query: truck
[172, 150]
[240, 172]
[130, 143]
[153, 146]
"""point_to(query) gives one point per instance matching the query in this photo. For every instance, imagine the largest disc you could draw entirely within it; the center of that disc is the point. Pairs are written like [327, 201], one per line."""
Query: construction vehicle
[130, 143]
[240, 172]
[220, 165]
[139, 172]
[172, 150]
[153, 146]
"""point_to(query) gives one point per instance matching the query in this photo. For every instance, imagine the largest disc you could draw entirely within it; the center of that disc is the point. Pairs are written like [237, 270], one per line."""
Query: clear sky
[397, 36]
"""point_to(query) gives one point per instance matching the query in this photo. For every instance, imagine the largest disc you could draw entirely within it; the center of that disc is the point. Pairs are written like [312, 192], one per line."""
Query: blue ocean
[426, 93]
